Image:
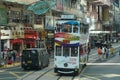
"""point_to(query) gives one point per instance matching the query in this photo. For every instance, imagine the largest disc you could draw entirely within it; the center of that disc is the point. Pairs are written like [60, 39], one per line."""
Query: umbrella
[40, 7]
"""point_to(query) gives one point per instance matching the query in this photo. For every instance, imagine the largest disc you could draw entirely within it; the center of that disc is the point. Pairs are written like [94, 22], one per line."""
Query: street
[39, 39]
[12, 73]
[109, 70]
[95, 70]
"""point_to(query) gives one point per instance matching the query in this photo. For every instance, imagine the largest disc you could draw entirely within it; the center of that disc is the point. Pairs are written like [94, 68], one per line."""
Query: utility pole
[0, 44]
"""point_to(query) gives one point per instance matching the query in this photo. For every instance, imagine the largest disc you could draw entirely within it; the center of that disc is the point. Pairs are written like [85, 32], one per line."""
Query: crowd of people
[10, 56]
[105, 52]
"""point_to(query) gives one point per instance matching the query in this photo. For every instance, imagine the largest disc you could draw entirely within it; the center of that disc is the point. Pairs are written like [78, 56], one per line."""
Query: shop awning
[16, 41]
[40, 7]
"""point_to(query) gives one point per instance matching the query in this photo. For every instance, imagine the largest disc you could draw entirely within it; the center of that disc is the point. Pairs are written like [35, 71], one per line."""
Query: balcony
[74, 11]
[100, 2]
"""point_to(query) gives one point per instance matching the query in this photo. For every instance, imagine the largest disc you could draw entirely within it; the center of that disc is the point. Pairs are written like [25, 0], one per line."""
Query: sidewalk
[93, 57]
[10, 65]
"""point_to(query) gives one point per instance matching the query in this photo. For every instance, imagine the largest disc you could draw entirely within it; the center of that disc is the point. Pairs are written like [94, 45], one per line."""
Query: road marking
[13, 78]
[95, 78]
[14, 74]
[110, 64]
[19, 72]
[111, 75]
[2, 70]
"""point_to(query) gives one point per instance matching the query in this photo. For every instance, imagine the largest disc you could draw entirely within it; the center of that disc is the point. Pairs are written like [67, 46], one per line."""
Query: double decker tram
[70, 47]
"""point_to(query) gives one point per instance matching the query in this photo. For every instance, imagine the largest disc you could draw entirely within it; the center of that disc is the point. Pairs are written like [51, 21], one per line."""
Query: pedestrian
[18, 56]
[9, 54]
[48, 50]
[5, 58]
[88, 49]
[103, 51]
[107, 52]
[112, 51]
[99, 53]
[14, 55]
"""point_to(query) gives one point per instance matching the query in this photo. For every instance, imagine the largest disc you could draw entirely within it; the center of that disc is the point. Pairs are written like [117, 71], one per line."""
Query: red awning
[30, 36]
[16, 41]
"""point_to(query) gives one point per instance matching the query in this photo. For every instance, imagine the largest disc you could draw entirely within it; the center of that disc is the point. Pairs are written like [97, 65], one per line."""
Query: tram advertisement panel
[69, 39]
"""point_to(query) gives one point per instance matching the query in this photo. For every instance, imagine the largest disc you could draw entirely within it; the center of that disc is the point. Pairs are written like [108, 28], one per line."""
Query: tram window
[74, 51]
[66, 28]
[66, 51]
[58, 51]
[75, 29]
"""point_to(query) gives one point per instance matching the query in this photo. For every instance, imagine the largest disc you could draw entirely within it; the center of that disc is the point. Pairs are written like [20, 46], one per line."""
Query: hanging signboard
[3, 14]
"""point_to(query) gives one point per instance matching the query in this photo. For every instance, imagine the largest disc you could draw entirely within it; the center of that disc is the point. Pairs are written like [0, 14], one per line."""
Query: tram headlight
[76, 68]
[65, 64]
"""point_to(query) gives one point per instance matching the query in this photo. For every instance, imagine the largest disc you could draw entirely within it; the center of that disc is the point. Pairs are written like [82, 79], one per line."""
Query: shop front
[16, 44]
[5, 39]
[30, 39]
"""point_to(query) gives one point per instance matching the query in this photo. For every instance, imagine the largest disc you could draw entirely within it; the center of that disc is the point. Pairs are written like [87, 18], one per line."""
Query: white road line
[103, 64]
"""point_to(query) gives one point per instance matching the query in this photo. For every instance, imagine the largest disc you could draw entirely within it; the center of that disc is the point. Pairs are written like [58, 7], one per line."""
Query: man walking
[107, 52]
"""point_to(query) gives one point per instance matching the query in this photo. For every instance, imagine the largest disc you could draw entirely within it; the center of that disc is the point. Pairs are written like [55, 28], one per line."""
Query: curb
[10, 65]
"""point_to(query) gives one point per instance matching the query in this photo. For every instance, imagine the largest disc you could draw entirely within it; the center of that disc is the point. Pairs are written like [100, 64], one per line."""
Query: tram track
[43, 74]
[62, 77]
[34, 72]
[27, 75]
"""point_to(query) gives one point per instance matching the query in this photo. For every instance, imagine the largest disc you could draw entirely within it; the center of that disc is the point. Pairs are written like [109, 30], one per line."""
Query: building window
[14, 16]
[38, 19]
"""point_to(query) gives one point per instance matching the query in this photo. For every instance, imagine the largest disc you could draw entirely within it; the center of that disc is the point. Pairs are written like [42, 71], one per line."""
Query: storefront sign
[5, 34]
[67, 17]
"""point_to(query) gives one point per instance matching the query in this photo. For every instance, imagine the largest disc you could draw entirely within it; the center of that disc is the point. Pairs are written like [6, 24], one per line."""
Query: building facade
[100, 16]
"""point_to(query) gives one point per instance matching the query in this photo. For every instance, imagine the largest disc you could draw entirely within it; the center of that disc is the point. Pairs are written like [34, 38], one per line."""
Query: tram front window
[75, 29]
[74, 51]
[66, 51]
[58, 51]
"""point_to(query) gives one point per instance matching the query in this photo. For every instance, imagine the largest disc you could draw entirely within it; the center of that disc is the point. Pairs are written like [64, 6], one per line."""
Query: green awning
[41, 7]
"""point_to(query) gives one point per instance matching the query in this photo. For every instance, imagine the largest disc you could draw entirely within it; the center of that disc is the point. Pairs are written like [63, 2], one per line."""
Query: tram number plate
[29, 61]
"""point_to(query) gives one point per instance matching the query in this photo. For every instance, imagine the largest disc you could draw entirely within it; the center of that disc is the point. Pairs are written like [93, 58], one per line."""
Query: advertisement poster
[49, 23]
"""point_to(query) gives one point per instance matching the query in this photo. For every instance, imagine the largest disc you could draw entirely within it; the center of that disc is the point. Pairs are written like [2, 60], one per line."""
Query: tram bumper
[65, 70]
